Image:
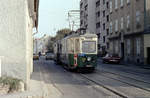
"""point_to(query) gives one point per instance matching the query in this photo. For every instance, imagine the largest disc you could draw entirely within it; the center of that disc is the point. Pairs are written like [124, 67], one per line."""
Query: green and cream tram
[77, 51]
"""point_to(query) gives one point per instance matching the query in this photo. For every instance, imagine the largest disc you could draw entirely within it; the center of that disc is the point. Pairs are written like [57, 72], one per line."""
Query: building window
[86, 26]
[116, 47]
[116, 4]
[99, 46]
[138, 46]
[128, 46]
[103, 39]
[107, 5]
[107, 45]
[122, 22]
[98, 25]
[104, 26]
[110, 6]
[103, 1]
[81, 5]
[98, 14]
[86, 7]
[107, 31]
[81, 22]
[81, 13]
[98, 3]
[98, 35]
[128, 21]
[116, 25]
[137, 16]
[110, 27]
[107, 18]
[103, 13]
[121, 3]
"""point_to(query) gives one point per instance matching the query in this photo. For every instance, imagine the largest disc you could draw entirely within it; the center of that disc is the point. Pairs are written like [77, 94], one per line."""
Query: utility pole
[74, 19]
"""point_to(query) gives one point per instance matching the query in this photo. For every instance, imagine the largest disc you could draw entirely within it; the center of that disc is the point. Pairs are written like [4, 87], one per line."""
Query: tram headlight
[89, 59]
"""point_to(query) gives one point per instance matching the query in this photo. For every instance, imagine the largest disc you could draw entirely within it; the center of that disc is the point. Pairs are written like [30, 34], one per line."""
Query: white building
[39, 44]
[17, 20]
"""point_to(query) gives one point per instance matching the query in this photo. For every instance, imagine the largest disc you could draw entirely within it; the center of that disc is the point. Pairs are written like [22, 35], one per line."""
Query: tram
[77, 51]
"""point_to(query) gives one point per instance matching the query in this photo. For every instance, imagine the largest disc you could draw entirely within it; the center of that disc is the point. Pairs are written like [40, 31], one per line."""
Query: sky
[53, 15]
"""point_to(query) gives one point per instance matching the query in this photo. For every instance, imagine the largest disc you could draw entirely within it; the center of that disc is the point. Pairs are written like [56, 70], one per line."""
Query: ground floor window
[116, 47]
[128, 46]
[138, 46]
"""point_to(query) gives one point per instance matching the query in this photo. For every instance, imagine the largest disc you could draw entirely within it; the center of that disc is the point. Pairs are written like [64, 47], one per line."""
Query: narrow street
[106, 81]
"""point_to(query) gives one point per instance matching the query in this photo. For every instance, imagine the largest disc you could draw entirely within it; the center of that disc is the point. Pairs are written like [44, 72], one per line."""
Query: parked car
[35, 57]
[109, 58]
[49, 56]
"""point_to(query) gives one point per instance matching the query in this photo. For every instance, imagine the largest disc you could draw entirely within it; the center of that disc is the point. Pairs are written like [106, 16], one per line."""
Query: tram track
[128, 70]
[123, 81]
[99, 71]
[140, 71]
[95, 83]
[105, 87]
[113, 90]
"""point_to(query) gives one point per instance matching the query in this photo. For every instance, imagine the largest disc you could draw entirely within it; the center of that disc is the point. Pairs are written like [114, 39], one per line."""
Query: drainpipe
[144, 15]
[1, 57]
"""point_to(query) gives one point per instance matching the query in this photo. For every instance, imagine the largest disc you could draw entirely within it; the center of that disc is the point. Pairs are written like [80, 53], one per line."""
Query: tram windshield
[89, 46]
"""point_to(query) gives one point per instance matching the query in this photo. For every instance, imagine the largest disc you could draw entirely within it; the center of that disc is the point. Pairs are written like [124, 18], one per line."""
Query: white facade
[16, 43]
[39, 44]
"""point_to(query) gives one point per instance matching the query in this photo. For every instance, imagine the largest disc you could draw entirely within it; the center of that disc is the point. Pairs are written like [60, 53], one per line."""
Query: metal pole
[0, 67]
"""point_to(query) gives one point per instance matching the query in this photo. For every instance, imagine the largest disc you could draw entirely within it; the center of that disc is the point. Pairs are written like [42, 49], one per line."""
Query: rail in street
[107, 88]
[101, 83]
[128, 80]
[122, 88]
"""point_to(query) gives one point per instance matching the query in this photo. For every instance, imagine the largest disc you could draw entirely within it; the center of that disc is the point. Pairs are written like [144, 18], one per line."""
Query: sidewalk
[36, 91]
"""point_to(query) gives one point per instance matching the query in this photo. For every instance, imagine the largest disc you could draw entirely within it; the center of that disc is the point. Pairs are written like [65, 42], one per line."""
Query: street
[107, 81]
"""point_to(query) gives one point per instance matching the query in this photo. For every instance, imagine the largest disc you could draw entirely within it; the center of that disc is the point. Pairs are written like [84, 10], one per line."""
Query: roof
[33, 6]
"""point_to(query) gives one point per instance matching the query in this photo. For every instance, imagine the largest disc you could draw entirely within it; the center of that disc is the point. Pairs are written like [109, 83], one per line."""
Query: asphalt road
[103, 83]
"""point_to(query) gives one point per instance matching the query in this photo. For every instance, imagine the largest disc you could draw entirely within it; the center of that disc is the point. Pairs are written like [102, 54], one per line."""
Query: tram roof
[84, 35]
[89, 35]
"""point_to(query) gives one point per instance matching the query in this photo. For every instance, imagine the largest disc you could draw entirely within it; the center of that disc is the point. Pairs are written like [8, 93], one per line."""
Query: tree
[49, 44]
[61, 33]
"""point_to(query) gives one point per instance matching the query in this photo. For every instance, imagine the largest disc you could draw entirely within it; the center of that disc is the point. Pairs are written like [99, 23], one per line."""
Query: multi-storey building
[129, 30]
[87, 15]
[122, 26]
[102, 24]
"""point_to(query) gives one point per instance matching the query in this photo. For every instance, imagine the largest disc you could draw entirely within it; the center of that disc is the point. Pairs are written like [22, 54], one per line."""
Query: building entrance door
[122, 50]
[148, 55]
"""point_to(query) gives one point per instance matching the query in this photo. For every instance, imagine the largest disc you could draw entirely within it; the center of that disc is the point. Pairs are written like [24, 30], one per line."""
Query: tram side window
[77, 45]
[71, 46]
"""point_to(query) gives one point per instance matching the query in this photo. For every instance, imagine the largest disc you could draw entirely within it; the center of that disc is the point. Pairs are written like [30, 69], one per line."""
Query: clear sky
[53, 15]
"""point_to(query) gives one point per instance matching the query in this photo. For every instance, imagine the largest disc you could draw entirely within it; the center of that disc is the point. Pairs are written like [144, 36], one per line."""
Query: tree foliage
[59, 35]
[49, 44]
